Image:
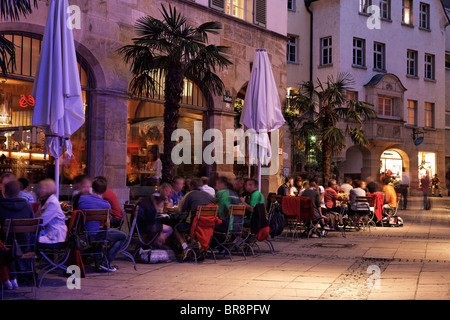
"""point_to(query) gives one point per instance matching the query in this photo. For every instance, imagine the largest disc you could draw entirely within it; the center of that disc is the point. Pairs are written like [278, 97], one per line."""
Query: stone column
[108, 139]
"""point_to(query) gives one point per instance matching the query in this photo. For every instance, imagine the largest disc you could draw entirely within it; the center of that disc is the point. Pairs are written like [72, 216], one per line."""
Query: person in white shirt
[347, 186]
[205, 187]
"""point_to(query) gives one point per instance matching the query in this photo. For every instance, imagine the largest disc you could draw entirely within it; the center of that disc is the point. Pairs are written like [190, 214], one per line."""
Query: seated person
[330, 198]
[285, 189]
[254, 197]
[4, 179]
[177, 190]
[116, 210]
[149, 225]
[205, 187]
[14, 207]
[162, 197]
[118, 238]
[194, 198]
[313, 193]
[356, 207]
[24, 190]
[225, 196]
[390, 196]
[54, 229]
[84, 187]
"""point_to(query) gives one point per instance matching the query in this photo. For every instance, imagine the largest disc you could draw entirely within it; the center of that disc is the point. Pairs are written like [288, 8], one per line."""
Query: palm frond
[7, 55]
[14, 9]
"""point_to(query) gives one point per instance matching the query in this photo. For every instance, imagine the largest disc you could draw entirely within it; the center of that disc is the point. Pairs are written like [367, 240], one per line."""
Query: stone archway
[356, 164]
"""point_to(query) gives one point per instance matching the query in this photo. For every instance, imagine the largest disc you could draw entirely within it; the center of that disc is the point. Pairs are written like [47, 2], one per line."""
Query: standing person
[404, 186]
[116, 210]
[177, 190]
[424, 187]
[118, 238]
[435, 182]
[14, 207]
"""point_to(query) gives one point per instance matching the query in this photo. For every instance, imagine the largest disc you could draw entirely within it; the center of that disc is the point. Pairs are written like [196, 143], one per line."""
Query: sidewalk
[413, 263]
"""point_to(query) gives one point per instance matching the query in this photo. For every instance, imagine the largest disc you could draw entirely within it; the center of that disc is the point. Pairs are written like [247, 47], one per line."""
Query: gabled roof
[378, 77]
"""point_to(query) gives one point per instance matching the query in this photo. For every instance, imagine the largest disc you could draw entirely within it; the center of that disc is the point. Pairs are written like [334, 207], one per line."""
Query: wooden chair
[23, 226]
[204, 211]
[233, 236]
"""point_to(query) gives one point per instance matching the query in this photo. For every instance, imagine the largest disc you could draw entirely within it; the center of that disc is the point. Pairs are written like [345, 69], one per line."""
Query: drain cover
[335, 245]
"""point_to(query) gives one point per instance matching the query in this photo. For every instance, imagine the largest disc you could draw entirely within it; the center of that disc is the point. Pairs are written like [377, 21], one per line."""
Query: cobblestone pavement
[413, 262]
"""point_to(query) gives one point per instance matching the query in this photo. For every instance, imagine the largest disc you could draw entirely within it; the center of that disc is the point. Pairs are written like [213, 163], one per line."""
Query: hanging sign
[418, 141]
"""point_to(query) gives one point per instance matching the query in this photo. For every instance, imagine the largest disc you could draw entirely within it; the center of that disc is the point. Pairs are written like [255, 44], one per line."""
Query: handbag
[77, 240]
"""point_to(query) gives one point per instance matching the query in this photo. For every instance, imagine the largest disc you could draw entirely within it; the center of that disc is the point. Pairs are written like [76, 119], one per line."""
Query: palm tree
[11, 10]
[180, 51]
[317, 110]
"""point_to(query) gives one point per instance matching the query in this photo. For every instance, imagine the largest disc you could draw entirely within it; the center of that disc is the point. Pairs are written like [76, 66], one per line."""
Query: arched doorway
[357, 160]
[396, 161]
[21, 144]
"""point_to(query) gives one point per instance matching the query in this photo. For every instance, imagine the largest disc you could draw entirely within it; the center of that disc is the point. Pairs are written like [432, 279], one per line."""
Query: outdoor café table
[299, 207]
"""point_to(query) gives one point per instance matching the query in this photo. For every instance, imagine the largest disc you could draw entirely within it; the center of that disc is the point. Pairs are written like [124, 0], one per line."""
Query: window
[351, 95]
[292, 49]
[385, 107]
[326, 51]
[424, 14]
[359, 47]
[379, 57]
[259, 12]
[447, 60]
[385, 9]
[291, 5]
[364, 6]
[235, 8]
[429, 66]
[429, 115]
[411, 113]
[407, 12]
[411, 63]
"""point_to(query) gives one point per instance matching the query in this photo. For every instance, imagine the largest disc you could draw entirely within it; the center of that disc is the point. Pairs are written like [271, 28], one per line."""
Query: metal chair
[233, 237]
[23, 226]
[56, 258]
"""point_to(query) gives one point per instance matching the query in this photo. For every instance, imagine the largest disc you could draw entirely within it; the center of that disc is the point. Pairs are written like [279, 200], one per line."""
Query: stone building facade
[108, 25]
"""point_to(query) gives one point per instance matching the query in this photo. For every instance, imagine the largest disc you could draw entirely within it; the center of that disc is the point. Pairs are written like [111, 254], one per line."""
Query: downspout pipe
[311, 58]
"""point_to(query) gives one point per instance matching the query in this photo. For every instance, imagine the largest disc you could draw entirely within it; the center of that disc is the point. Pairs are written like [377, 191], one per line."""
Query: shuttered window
[259, 12]
[217, 4]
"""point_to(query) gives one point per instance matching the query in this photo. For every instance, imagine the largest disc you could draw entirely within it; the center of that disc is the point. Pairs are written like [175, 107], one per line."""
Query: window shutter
[217, 4]
[259, 12]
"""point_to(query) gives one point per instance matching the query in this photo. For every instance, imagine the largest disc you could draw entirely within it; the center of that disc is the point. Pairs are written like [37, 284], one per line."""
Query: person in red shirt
[330, 198]
[116, 210]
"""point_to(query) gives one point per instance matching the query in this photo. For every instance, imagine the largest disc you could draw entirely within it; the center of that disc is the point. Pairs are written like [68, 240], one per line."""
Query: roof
[378, 77]
[446, 3]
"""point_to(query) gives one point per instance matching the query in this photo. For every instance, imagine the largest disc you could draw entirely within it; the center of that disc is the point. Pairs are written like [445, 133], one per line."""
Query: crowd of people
[325, 198]
[184, 195]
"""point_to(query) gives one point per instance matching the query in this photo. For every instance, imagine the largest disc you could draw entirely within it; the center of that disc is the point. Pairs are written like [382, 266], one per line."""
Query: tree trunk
[172, 94]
